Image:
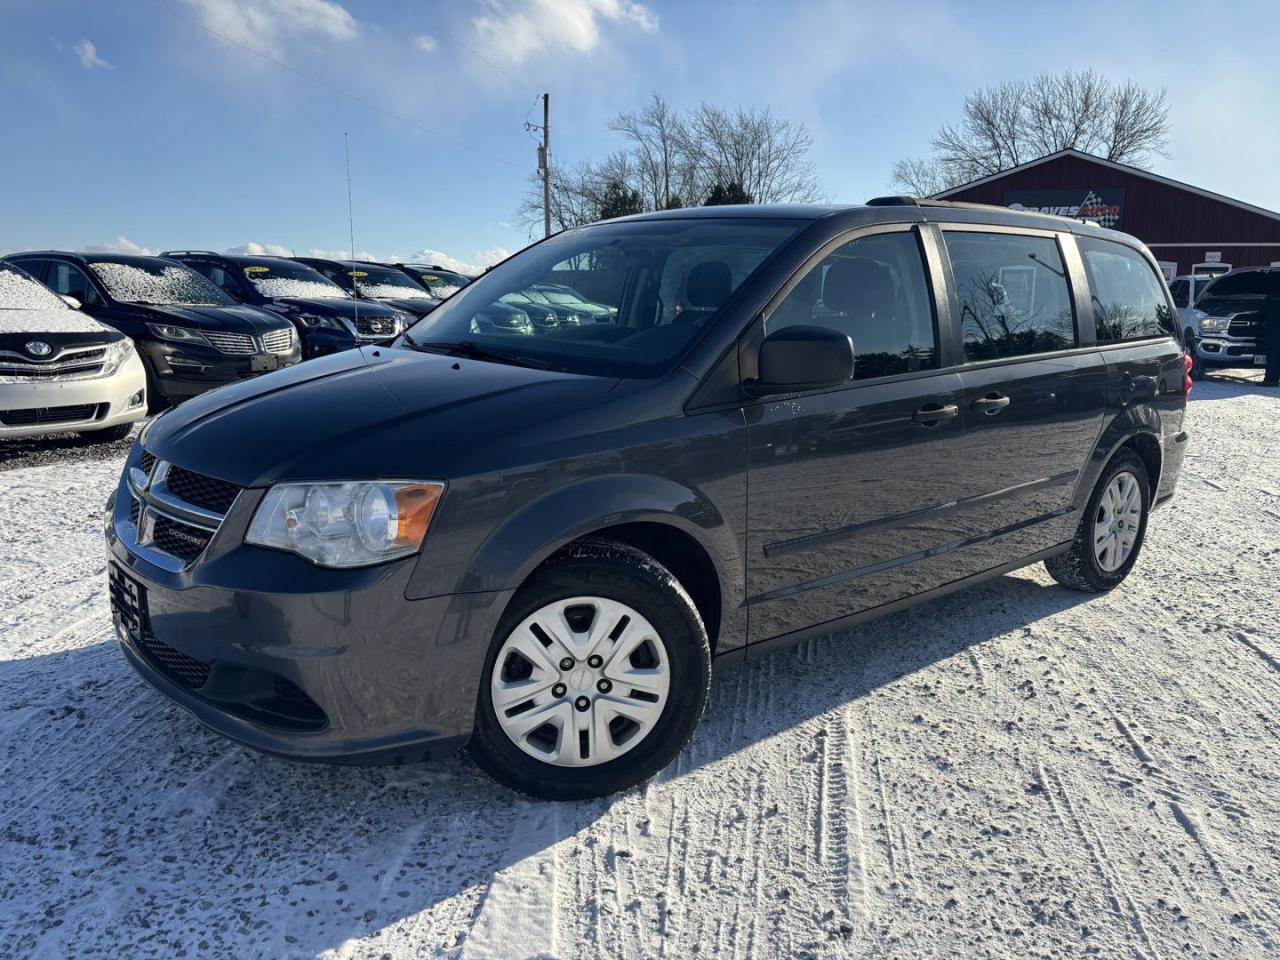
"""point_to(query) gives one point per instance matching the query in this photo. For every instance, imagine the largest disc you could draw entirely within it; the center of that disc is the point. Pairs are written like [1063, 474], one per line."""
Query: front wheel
[596, 678]
[1111, 532]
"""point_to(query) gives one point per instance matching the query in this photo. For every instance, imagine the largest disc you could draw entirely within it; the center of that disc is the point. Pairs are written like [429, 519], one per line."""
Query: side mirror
[70, 301]
[803, 358]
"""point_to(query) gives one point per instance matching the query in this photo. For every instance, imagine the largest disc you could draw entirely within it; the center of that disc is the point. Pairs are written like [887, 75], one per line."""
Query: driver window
[70, 280]
[875, 291]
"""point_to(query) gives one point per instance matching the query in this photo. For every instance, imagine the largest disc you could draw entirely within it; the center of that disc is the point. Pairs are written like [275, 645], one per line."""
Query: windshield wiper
[473, 351]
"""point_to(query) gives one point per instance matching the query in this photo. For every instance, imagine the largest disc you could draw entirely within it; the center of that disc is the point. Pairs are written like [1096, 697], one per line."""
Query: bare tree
[1016, 121]
[672, 159]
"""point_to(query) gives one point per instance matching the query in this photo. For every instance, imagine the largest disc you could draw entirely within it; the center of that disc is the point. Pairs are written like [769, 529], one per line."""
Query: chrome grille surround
[182, 524]
[71, 363]
[237, 344]
[279, 341]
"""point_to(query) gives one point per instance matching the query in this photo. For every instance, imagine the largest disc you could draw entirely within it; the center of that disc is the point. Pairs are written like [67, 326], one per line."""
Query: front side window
[69, 280]
[1013, 294]
[1128, 298]
[873, 290]
[657, 285]
[1181, 290]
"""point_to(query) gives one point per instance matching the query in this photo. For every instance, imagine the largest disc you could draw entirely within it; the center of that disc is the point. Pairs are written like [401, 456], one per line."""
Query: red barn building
[1182, 224]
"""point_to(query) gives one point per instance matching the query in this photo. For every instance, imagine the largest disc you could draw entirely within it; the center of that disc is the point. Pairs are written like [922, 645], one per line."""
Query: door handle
[992, 403]
[931, 413]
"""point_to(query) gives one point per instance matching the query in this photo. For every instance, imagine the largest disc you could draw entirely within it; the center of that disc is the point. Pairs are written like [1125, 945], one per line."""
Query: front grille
[376, 327]
[134, 510]
[36, 416]
[279, 341]
[179, 539]
[69, 365]
[146, 462]
[1245, 327]
[234, 343]
[208, 493]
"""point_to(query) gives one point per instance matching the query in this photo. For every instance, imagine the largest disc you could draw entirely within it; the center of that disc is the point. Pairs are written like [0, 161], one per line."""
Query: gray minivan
[793, 419]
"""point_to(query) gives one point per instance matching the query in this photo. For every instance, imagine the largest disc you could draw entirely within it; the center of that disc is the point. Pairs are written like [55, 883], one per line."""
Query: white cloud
[88, 55]
[483, 258]
[121, 244]
[425, 42]
[265, 24]
[252, 249]
[342, 255]
[517, 29]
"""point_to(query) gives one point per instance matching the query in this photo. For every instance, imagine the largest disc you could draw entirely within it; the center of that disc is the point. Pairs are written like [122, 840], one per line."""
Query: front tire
[1111, 531]
[596, 678]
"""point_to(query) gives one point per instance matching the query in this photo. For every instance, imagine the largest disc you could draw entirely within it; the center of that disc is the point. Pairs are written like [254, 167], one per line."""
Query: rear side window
[1128, 299]
[1013, 294]
[874, 290]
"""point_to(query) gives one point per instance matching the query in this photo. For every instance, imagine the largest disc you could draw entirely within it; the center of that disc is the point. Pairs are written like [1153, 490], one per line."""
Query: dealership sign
[1103, 206]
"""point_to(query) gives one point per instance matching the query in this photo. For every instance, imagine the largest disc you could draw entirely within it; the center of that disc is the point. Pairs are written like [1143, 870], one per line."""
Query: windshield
[662, 283]
[284, 278]
[157, 282]
[1246, 283]
[380, 283]
[442, 283]
[20, 292]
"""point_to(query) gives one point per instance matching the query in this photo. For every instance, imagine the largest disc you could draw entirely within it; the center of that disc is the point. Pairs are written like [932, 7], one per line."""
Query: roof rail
[893, 202]
[172, 253]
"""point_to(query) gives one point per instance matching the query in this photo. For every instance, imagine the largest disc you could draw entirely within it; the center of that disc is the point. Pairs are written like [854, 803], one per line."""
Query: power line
[481, 57]
[338, 90]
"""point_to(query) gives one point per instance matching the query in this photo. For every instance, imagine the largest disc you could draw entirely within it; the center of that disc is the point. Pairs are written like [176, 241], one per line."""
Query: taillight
[1187, 364]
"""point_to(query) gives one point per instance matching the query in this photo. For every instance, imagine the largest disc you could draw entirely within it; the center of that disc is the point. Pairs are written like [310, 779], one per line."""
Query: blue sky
[127, 126]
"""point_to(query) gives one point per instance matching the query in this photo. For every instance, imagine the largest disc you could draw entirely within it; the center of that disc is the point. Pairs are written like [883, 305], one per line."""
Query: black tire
[1078, 568]
[618, 572]
[109, 435]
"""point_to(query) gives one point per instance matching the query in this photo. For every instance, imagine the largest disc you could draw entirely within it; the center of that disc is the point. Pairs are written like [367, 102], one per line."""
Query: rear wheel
[597, 675]
[1111, 532]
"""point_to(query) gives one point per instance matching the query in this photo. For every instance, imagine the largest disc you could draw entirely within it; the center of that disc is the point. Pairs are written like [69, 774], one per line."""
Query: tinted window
[660, 284]
[1181, 290]
[1013, 294]
[67, 278]
[1128, 297]
[874, 290]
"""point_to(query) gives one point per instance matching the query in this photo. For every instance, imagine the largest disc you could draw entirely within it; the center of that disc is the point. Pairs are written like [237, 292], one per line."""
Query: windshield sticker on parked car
[357, 273]
[257, 269]
[430, 277]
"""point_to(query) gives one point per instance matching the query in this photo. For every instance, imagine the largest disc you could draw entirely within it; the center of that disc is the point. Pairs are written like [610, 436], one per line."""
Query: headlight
[167, 331]
[1214, 324]
[117, 353]
[345, 524]
[315, 320]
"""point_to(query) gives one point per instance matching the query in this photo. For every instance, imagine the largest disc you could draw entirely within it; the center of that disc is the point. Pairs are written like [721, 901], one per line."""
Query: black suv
[191, 336]
[1229, 323]
[537, 544]
[327, 317]
[438, 281]
[373, 281]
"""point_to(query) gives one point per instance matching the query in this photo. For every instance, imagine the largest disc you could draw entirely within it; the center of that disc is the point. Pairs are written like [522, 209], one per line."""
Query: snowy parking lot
[1015, 771]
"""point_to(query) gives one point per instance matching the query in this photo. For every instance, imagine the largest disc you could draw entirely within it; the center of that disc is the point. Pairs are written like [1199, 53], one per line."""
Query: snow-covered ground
[1017, 771]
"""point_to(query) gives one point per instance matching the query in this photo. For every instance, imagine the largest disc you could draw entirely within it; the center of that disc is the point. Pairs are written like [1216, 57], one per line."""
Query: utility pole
[545, 164]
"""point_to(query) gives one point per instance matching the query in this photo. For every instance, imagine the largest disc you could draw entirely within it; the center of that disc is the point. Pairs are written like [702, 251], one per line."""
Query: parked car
[1227, 331]
[326, 316]
[536, 546]
[373, 281]
[61, 370]
[191, 336]
[439, 282]
[565, 296]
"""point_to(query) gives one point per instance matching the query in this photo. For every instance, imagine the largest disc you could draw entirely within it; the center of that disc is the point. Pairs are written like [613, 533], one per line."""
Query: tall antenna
[351, 227]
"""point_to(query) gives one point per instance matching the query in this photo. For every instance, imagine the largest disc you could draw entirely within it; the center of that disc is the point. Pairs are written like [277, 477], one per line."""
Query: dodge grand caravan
[536, 545]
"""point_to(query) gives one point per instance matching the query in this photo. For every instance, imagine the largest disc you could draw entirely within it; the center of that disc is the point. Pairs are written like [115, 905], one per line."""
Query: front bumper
[291, 659]
[1224, 351]
[103, 401]
[184, 371]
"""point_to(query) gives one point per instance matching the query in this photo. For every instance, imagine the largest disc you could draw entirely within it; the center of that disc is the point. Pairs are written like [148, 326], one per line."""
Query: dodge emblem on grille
[38, 348]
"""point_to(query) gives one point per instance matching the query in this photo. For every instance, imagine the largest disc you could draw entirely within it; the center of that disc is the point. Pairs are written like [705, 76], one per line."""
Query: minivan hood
[238, 319]
[368, 413]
